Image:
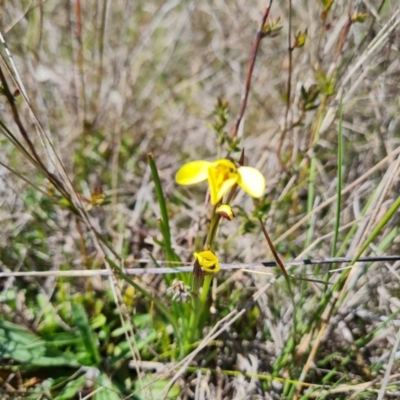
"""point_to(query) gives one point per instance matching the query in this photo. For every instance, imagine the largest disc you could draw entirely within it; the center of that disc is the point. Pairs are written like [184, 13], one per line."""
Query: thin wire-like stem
[100, 67]
[253, 56]
[185, 269]
[79, 38]
[38, 160]
[276, 256]
[288, 87]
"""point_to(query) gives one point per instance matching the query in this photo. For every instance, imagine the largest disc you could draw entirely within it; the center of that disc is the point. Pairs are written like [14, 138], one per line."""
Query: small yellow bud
[225, 211]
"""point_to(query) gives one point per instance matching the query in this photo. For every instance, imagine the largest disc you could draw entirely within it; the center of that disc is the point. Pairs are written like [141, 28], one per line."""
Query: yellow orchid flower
[222, 175]
[208, 261]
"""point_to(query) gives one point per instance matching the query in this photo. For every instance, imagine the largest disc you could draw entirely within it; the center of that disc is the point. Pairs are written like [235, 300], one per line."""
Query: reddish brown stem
[275, 254]
[343, 38]
[288, 90]
[79, 37]
[253, 56]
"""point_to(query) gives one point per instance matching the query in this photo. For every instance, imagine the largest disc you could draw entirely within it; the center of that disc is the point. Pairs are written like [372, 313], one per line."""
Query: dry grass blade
[387, 377]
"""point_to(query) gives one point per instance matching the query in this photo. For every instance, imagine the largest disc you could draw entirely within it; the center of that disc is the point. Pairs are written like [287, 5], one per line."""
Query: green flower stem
[200, 303]
[194, 320]
[212, 231]
[199, 308]
[206, 288]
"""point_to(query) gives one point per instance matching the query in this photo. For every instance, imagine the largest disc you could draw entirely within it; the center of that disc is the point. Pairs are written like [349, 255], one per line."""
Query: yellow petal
[217, 192]
[251, 181]
[224, 162]
[208, 261]
[192, 172]
[222, 175]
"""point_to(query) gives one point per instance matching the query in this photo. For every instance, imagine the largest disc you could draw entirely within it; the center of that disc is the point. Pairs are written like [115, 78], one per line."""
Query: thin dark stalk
[253, 56]
[292, 343]
[343, 38]
[11, 101]
[71, 36]
[275, 254]
[99, 74]
[289, 87]
[79, 38]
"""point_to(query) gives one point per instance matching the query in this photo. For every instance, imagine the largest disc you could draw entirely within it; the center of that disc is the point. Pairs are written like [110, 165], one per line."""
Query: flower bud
[208, 261]
[225, 211]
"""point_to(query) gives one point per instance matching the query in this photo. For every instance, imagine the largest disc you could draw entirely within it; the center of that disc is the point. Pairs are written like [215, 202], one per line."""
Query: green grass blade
[152, 387]
[339, 181]
[378, 228]
[310, 198]
[88, 337]
[343, 248]
[311, 186]
[388, 239]
[164, 224]
[71, 389]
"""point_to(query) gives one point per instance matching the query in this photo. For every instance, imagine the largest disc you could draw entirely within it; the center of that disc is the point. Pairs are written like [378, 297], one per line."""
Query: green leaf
[88, 338]
[62, 339]
[383, 221]
[28, 349]
[71, 389]
[98, 321]
[164, 223]
[150, 387]
[48, 322]
[339, 181]
[161, 201]
[123, 351]
[107, 391]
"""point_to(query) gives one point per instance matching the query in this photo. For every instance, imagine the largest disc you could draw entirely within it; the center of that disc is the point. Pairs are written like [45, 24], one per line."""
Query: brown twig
[100, 67]
[253, 56]
[275, 254]
[79, 38]
[342, 40]
[36, 158]
[288, 89]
